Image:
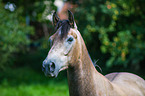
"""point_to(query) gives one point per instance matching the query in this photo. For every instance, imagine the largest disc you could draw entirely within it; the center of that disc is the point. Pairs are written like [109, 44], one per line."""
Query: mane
[65, 27]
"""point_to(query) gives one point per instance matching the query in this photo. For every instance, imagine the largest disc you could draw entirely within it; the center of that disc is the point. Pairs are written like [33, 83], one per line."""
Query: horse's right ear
[55, 18]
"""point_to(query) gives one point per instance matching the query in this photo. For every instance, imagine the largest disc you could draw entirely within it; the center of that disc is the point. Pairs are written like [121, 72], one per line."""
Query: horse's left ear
[71, 19]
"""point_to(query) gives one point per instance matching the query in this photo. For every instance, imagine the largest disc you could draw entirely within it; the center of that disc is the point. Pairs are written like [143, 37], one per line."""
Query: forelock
[65, 27]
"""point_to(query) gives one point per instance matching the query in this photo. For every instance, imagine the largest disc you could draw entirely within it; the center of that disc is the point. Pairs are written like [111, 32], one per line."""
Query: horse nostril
[44, 62]
[43, 68]
[52, 67]
[48, 67]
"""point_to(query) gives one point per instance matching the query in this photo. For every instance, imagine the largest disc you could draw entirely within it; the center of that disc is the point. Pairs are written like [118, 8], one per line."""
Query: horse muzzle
[48, 67]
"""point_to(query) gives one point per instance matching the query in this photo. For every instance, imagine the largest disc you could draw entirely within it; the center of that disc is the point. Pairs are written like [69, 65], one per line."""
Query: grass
[27, 82]
[34, 90]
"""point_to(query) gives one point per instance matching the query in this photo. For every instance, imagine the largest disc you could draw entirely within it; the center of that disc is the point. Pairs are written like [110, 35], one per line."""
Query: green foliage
[13, 35]
[16, 32]
[119, 28]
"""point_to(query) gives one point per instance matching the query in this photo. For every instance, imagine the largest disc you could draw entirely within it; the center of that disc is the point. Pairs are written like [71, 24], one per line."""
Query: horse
[68, 51]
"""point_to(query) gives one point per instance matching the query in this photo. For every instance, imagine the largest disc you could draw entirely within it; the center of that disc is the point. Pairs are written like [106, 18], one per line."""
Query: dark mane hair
[65, 27]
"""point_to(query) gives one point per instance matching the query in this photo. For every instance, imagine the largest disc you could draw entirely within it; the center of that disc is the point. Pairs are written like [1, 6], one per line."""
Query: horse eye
[70, 39]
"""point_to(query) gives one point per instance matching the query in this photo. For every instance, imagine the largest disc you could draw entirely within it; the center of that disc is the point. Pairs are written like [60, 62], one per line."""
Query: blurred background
[113, 30]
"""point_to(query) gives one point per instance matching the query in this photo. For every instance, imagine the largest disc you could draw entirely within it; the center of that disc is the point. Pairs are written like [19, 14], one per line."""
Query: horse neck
[83, 77]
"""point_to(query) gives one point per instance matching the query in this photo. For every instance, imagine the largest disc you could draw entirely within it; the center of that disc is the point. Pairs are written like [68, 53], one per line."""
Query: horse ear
[71, 18]
[55, 18]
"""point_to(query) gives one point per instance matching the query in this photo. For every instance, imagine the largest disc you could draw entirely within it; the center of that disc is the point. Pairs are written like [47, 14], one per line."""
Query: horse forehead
[72, 31]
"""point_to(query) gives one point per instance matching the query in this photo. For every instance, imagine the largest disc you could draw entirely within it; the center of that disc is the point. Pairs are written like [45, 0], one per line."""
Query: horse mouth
[54, 74]
[63, 68]
[51, 75]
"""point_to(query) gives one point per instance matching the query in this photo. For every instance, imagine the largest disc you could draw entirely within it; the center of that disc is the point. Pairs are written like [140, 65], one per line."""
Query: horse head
[65, 46]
